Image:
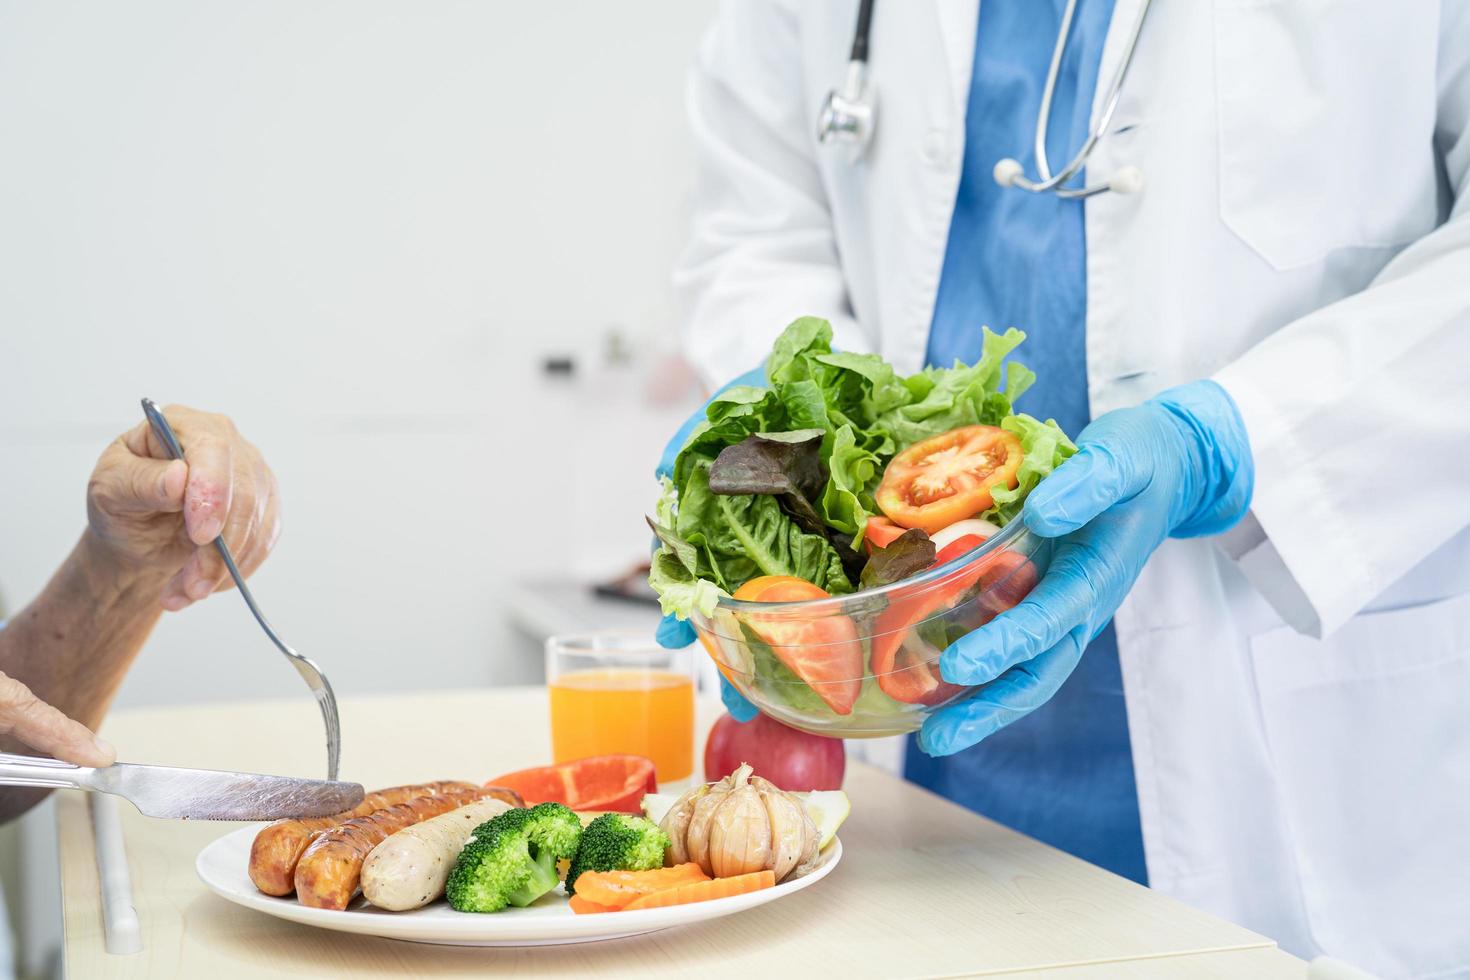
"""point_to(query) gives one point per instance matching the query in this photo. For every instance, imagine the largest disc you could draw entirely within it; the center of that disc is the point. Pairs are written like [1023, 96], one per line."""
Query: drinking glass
[615, 692]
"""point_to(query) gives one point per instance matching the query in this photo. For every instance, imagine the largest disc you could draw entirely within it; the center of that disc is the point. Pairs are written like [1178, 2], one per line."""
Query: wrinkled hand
[677, 633]
[151, 513]
[1179, 465]
[25, 717]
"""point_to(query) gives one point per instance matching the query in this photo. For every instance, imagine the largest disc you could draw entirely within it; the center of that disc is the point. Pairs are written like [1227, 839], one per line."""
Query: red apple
[795, 761]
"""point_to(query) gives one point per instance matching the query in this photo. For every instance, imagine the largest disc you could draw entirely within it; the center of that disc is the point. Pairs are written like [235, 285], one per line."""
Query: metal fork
[308, 670]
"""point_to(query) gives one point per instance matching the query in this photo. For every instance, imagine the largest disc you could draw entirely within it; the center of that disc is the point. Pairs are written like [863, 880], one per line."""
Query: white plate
[222, 866]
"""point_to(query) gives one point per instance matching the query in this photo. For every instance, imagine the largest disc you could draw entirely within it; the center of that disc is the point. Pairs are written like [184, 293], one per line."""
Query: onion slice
[973, 525]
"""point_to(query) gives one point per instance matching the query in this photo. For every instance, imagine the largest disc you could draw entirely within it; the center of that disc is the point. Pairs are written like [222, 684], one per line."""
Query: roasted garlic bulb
[741, 824]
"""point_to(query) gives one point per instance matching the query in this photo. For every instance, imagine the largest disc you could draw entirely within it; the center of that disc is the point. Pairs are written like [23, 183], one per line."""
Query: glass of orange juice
[622, 692]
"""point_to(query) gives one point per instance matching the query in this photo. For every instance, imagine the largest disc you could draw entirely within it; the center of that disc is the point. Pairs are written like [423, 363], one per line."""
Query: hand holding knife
[189, 794]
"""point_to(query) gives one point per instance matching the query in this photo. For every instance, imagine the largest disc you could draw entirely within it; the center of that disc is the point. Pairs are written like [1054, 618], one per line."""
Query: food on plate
[512, 859]
[827, 808]
[469, 845]
[482, 850]
[610, 890]
[328, 873]
[839, 477]
[618, 842]
[601, 782]
[581, 906]
[793, 760]
[278, 847]
[704, 891]
[409, 869]
[741, 824]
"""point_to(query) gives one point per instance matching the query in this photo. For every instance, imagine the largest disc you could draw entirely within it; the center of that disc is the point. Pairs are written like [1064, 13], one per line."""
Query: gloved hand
[1179, 465]
[677, 633]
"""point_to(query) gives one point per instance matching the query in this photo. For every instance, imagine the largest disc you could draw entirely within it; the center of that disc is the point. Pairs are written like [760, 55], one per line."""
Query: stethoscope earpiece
[1128, 180]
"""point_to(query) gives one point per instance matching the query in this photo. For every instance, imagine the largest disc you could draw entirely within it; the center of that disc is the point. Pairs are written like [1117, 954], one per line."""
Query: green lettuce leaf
[674, 569]
[847, 502]
[737, 538]
[680, 591]
[961, 395]
[787, 363]
[1045, 446]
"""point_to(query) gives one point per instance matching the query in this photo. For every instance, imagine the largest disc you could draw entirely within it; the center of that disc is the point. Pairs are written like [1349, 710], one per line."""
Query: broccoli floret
[618, 842]
[511, 859]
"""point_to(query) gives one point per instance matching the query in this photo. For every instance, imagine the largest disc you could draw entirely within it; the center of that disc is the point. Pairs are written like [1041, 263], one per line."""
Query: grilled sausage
[504, 794]
[328, 873]
[409, 869]
[277, 848]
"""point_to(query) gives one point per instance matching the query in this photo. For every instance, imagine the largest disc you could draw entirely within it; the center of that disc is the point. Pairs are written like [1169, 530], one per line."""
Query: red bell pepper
[599, 782]
[1004, 579]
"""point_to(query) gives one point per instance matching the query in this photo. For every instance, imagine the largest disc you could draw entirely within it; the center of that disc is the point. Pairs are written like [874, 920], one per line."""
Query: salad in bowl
[830, 534]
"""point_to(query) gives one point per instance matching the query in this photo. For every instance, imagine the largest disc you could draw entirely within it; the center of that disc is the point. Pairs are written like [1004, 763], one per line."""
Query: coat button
[936, 146]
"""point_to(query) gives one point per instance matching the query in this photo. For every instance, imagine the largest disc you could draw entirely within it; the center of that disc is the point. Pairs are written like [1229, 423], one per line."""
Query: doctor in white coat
[1297, 256]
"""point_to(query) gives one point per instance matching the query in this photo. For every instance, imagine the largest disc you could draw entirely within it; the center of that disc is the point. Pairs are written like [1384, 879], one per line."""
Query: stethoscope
[846, 116]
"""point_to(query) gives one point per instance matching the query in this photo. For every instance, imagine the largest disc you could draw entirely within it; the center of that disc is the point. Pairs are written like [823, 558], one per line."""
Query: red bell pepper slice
[1004, 578]
[599, 782]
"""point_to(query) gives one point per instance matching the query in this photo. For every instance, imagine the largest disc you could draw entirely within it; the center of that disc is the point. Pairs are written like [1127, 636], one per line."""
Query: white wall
[357, 227]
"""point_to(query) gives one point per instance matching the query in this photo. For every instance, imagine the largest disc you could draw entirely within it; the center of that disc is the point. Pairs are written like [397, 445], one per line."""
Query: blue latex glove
[677, 633]
[1179, 465]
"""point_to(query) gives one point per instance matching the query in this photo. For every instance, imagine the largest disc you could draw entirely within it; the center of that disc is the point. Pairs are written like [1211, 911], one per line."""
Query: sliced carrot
[703, 891]
[618, 888]
[581, 906]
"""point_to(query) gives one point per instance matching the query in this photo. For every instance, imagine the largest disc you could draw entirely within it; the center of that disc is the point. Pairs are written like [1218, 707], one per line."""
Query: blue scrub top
[1064, 773]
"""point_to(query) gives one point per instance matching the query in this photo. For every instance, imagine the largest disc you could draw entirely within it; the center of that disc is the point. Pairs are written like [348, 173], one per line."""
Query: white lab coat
[1298, 690]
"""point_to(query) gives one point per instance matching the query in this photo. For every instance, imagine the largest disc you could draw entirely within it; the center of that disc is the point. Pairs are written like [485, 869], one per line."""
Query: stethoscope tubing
[1008, 172]
[1050, 182]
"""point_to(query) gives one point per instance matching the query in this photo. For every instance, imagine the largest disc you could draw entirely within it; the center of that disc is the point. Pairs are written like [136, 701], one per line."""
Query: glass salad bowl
[867, 664]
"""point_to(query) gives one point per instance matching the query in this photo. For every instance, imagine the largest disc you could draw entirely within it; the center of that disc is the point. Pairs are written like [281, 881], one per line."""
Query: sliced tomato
[780, 588]
[904, 674]
[947, 478]
[880, 533]
[599, 782]
[823, 651]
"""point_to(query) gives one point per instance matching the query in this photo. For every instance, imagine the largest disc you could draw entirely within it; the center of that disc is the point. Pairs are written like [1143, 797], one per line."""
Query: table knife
[189, 794]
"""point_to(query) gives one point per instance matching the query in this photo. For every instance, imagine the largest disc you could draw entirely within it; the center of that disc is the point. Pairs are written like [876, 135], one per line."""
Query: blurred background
[419, 252]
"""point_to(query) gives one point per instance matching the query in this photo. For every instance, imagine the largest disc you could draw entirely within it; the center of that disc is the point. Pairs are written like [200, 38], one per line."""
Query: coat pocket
[1369, 735]
[1326, 124]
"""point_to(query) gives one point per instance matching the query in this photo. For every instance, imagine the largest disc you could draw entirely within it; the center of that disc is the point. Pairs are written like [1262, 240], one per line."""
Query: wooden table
[925, 889]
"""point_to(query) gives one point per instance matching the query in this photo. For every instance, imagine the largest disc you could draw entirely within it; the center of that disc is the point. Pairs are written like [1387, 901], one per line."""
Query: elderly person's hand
[31, 721]
[152, 514]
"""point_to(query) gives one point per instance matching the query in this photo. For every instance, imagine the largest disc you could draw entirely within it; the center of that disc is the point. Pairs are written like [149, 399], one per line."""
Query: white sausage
[409, 869]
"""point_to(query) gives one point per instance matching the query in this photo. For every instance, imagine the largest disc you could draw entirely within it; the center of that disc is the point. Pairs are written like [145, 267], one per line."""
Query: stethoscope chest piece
[846, 115]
